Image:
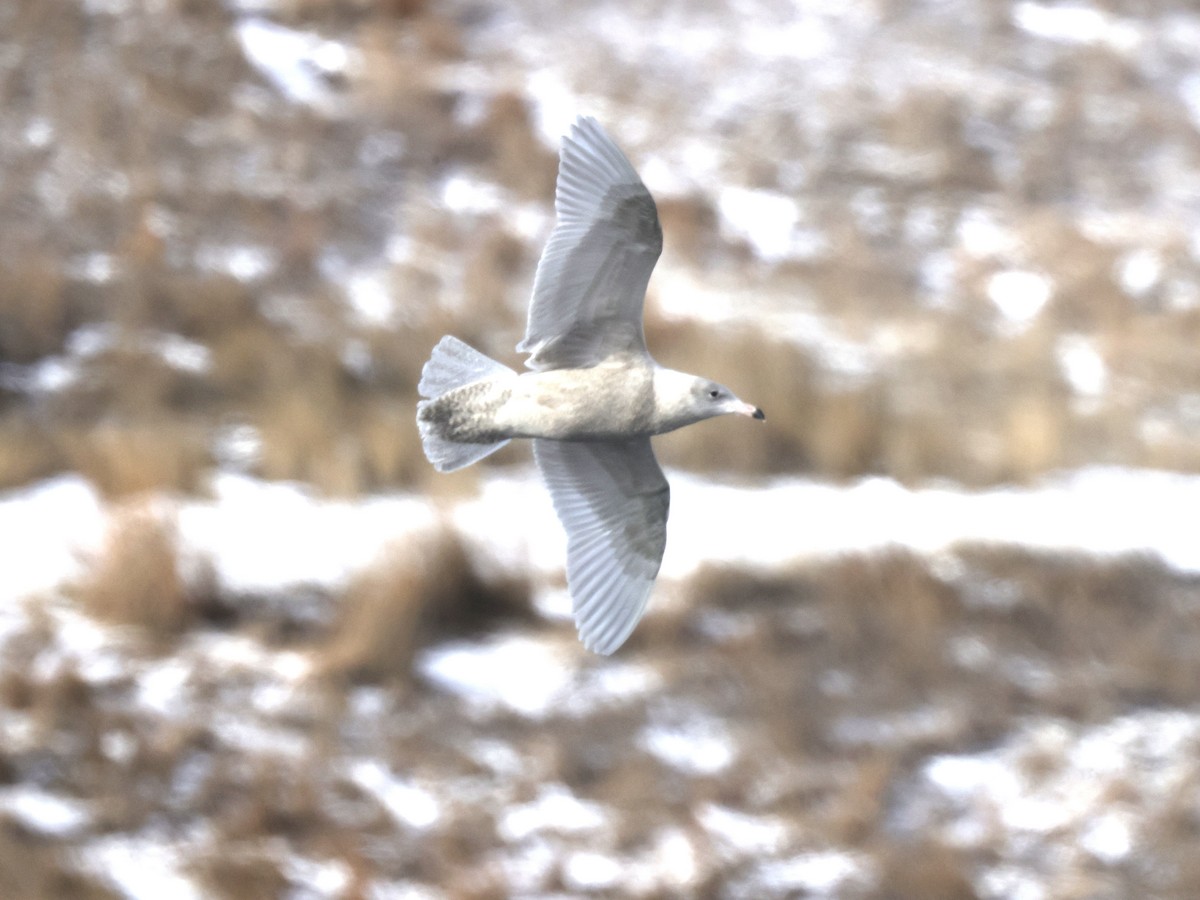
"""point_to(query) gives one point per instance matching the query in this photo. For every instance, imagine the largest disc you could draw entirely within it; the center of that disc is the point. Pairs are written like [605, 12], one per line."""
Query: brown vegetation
[834, 681]
[952, 394]
[34, 868]
[136, 577]
[426, 589]
[156, 187]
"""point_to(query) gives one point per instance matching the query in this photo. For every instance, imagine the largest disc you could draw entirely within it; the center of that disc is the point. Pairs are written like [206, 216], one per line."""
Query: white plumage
[595, 395]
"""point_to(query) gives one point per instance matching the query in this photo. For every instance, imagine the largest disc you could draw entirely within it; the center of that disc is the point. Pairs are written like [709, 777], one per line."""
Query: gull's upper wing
[591, 280]
[612, 499]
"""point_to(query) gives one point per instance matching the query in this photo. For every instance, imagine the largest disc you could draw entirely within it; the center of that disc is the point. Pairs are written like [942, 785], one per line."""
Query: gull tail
[453, 365]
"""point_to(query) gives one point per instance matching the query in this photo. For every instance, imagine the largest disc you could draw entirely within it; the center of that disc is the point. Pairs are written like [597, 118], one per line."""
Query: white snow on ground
[517, 673]
[263, 537]
[1102, 785]
[330, 878]
[589, 871]
[1098, 510]
[680, 294]
[531, 677]
[1019, 295]
[298, 64]
[738, 834]
[820, 874]
[272, 537]
[696, 743]
[409, 804]
[764, 219]
[1050, 777]
[244, 262]
[1139, 271]
[43, 812]
[555, 810]
[1077, 23]
[42, 530]
[1082, 365]
[143, 867]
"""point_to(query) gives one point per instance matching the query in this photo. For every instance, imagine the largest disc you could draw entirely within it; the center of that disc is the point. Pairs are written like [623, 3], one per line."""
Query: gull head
[681, 399]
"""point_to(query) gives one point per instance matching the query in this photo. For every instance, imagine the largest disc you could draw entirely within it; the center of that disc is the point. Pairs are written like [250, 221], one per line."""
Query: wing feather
[591, 280]
[612, 499]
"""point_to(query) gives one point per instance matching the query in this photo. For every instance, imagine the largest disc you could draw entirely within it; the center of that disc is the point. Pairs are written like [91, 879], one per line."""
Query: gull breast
[598, 403]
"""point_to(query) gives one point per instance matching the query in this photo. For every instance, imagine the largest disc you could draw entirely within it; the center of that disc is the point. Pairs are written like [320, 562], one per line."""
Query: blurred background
[931, 632]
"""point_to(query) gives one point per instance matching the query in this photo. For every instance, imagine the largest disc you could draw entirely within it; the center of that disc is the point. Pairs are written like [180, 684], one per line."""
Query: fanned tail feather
[452, 365]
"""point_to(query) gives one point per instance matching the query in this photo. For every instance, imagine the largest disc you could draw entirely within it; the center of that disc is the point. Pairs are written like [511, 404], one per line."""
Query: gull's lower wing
[591, 280]
[612, 499]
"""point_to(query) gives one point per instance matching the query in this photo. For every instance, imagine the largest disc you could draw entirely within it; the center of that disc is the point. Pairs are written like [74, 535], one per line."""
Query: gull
[594, 396]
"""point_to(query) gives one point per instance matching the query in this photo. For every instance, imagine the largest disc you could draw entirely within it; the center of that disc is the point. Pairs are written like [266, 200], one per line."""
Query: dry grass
[124, 459]
[861, 800]
[497, 266]
[35, 868]
[253, 876]
[883, 641]
[926, 871]
[900, 627]
[967, 402]
[121, 458]
[424, 589]
[28, 451]
[135, 579]
[36, 309]
[979, 412]
[888, 608]
[866, 639]
[1119, 611]
[826, 674]
[972, 403]
[513, 151]
[366, 445]
[301, 441]
[380, 614]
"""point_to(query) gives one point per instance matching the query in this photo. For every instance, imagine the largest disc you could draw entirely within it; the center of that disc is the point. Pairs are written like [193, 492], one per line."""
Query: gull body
[595, 395]
[617, 398]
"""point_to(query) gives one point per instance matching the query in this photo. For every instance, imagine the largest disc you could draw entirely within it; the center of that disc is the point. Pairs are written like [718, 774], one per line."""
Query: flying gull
[595, 395]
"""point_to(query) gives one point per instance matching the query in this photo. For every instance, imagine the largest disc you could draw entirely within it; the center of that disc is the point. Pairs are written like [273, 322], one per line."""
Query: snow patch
[1082, 365]
[1019, 295]
[43, 812]
[1092, 786]
[263, 536]
[511, 672]
[407, 803]
[555, 810]
[243, 262]
[298, 65]
[1077, 23]
[744, 833]
[698, 745]
[770, 223]
[143, 867]
[1139, 272]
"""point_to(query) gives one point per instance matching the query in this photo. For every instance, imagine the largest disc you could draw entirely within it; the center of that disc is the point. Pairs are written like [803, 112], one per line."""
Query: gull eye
[714, 393]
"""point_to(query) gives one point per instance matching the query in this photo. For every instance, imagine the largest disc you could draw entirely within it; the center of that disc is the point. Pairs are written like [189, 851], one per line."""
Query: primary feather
[591, 280]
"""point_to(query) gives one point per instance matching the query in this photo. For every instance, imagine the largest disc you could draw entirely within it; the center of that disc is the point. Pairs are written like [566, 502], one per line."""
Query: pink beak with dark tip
[749, 409]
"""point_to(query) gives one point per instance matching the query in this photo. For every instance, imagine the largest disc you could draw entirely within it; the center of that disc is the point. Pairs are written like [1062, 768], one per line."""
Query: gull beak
[749, 409]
